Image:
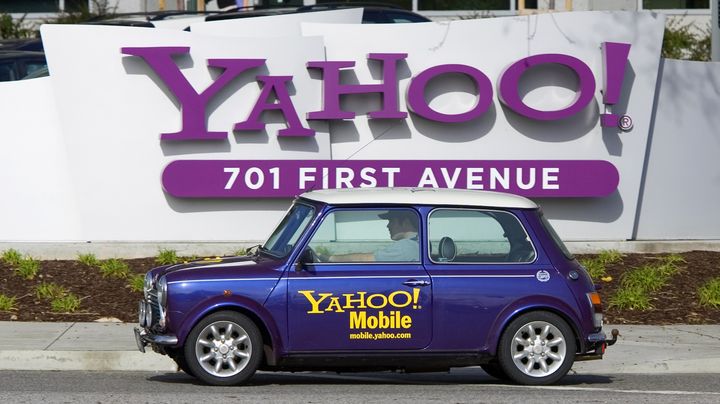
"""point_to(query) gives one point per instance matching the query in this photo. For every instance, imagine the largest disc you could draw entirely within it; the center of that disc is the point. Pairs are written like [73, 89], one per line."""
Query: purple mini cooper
[383, 279]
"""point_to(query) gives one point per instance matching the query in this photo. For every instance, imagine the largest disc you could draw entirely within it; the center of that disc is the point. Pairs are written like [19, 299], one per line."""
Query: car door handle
[415, 282]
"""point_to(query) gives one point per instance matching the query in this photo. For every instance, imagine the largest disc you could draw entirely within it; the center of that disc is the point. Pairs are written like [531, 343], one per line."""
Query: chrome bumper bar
[143, 339]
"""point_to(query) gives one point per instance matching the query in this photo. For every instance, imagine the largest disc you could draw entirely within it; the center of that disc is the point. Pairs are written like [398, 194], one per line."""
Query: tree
[681, 42]
[14, 29]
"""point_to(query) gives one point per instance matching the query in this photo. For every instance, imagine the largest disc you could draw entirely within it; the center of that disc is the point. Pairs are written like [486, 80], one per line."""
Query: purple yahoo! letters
[284, 104]
[332, 89]
[192, 104]
[416, 93]
[508, 91]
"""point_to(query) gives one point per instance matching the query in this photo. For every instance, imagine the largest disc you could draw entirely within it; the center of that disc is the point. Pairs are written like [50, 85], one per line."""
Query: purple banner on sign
[289, 178]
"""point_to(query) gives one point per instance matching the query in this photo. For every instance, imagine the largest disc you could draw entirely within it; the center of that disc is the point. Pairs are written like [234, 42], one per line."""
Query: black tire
[556, 352]
[494, 370]
[182, 363]
[239, 335]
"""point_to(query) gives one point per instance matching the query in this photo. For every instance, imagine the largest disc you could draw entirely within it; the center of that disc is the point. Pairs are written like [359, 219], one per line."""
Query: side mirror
[305, 258]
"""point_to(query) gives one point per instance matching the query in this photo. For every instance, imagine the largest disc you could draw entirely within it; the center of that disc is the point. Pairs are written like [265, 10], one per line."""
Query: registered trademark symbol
[625, 123]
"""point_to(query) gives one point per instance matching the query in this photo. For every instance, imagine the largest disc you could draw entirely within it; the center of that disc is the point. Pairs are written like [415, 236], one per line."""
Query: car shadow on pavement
[376, 378]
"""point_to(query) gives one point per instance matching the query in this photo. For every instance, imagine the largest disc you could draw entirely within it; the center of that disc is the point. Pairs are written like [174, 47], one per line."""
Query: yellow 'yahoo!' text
[323, 302]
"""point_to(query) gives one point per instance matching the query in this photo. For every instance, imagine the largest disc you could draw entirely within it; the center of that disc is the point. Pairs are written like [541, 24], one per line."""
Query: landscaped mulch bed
[675, 303]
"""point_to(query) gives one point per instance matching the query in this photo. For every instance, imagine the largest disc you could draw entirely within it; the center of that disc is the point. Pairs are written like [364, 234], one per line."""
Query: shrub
[649, 278]
[65, 304]
[49, 291]
[28, 268]
[637, 284]
[136, 283]
[167, 257]
[632, 298]
[7, 303]
[14, 28]
[680, 42]
[609, 257]
[114, 268]
[710, 293]
[596, 266]
[88, 260]
[12, 257]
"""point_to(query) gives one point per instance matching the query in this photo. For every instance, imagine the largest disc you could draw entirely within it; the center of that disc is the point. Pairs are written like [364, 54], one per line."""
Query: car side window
[363, 235]
[478, 236]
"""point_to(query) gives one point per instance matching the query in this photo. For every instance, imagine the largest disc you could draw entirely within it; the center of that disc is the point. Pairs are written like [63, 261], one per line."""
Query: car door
[480, 261]
[360, 292]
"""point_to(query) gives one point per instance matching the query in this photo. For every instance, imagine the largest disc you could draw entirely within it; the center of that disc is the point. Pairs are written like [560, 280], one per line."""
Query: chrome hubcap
[538, 349]
[223, 349]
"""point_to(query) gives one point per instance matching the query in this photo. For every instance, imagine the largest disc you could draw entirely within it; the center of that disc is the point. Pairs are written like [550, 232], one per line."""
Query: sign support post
[715, 30]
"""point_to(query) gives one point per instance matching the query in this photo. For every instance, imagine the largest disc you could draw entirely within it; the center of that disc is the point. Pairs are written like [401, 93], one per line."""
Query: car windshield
[283, 239]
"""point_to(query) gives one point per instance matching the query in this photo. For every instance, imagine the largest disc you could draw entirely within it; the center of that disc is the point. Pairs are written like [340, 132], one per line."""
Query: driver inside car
[403, 228]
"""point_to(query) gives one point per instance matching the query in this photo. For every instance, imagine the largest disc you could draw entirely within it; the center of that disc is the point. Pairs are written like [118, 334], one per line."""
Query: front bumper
[143, 339]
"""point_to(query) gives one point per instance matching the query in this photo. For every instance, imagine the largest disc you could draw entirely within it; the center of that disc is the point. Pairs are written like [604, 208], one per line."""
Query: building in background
[695, 11]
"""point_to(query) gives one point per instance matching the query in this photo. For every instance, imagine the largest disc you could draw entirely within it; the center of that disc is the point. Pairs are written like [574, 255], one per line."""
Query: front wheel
[224, 349]
[537, 348]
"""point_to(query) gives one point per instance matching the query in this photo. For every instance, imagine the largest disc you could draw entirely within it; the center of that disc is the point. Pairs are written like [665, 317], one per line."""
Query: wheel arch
[255, 312]
[518, 309]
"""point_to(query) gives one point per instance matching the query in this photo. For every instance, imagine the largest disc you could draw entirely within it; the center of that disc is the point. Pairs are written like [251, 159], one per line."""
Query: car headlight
[162, 291]
[147, 286]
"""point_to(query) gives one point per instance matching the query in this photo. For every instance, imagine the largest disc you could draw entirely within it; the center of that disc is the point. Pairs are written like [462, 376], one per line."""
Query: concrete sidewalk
[111, 346]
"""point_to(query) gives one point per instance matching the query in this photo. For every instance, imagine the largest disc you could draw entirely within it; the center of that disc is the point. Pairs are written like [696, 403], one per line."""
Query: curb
[85, 360]
[151, 362]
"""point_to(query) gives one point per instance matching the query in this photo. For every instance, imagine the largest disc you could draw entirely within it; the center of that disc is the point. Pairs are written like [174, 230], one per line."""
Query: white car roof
[420, 196]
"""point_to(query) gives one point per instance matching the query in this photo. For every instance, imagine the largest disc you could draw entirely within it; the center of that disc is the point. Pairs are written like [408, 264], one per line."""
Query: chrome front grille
[152, 299]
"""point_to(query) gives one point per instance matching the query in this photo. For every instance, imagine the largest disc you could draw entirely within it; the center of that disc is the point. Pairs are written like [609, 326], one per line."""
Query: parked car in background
[408, 279]
[28, 44]
[373, 13]
[14, 65]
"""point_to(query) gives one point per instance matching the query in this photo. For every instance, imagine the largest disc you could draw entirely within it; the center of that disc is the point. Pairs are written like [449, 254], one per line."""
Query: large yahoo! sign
[286, 178]
[274, 93]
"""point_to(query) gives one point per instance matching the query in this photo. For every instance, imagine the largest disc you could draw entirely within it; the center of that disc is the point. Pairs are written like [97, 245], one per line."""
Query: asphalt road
[459, 386]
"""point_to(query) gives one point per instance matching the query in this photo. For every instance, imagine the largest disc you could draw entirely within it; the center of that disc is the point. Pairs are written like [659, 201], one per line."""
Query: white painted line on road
[609, 390]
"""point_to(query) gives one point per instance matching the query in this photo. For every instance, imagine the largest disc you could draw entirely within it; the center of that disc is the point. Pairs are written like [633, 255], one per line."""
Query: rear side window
[478, 236]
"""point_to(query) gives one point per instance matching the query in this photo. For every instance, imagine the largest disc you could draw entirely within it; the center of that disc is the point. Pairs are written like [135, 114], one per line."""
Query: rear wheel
[537, 348]
[223, 349]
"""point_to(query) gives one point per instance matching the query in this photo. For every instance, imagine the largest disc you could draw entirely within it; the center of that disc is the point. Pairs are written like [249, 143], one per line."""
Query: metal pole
[715, 29]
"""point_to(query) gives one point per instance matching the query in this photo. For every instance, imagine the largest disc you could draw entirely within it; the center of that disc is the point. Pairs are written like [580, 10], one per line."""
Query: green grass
[633, 298]
[596, 266]
[167, 257]
[673, 259]
[609, 257]
[710, 293]
[114, 268]
[27, 268]
[649, 277]
[11, 257]
[136, 283]
[637, 284]
[7, 303]
[65, 304]
[88, 260]
[49, 291]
